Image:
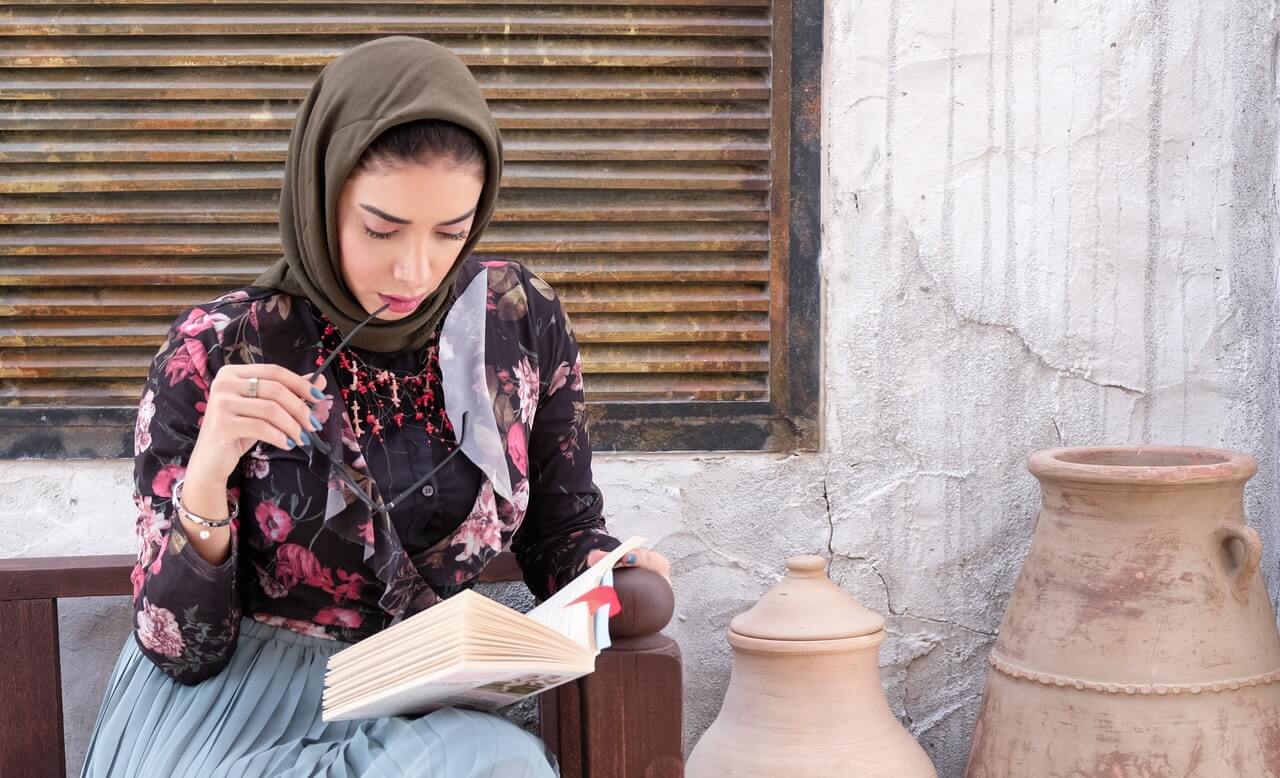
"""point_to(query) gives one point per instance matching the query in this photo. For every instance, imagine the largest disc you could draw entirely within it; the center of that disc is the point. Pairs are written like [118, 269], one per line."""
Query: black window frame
[786, 422]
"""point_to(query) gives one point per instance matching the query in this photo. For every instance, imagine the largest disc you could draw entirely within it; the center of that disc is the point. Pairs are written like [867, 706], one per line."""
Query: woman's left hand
[640, 557]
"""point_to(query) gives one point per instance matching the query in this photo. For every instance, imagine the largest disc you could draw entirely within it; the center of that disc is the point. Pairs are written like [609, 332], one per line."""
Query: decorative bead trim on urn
[1050, 679]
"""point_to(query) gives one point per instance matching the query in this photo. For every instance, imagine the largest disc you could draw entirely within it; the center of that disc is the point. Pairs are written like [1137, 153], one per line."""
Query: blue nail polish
[305, 439]
[290, 442]
[316, 393]
[315, 423]
[631, 559]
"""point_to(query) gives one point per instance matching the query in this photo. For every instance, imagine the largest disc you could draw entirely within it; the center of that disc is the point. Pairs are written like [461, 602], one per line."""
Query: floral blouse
[306, 553]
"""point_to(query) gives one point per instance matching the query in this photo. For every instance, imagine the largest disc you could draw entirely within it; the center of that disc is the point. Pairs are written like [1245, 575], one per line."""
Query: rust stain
[808, 115]
[1121, 765]
[690, 319]
[1271, 747]
[1139, 573]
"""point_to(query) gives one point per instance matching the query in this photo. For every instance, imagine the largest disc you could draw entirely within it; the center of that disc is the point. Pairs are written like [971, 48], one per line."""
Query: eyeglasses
[344, 471]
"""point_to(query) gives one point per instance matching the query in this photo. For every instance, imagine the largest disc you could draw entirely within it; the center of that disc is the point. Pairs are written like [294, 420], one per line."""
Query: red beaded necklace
[380, 397]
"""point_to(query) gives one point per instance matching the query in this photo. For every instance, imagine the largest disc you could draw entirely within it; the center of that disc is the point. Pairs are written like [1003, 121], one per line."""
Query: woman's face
[400, 230]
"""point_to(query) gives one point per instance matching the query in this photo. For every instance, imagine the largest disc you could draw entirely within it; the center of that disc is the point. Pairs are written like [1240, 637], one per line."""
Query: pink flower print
[158, 630]
[142, 427]
[162, 484]
[151, 523]
[577, 374]
[198, 321]
[322, 409]
[158, 563]
[520, 496]
[257, 465]
[349, 588]
[270, 586]
[275, 522]
[138, 576]
[232, 296]
[190, 360]
[293, 625]
[295, 563]
[527, 378]
[484, 506]
[559, 378]
[511, 512]
[476, 536]
[366, 532]
[481, 529]
[343, 617]
[518, 448]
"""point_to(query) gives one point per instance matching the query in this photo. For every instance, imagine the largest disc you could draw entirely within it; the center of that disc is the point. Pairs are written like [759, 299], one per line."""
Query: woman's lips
[401, 304]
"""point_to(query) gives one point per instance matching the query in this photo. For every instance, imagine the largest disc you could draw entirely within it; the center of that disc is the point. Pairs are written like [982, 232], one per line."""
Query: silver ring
[253, 386]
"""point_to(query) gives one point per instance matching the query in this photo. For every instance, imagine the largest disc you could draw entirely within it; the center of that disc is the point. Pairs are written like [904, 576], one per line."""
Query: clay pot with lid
[804, 699]
[1139, 639]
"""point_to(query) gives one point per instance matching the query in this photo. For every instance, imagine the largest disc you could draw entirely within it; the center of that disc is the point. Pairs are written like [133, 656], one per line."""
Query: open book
[472, 652]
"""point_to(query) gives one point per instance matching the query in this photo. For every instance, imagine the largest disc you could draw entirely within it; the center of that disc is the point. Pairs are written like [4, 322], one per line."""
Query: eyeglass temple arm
[462, 434]
[324, 448]
[311, 379]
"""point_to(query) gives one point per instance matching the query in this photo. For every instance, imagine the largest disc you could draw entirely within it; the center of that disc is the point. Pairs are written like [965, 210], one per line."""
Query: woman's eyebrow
[396, 219]
[384, 215]
[457, 219]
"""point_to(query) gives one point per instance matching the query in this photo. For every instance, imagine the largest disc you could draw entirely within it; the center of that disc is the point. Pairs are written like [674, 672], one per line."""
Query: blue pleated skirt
[260, 716]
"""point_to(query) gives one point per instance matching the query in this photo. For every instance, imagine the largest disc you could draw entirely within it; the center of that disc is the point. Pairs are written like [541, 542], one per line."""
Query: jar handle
[1247, 567]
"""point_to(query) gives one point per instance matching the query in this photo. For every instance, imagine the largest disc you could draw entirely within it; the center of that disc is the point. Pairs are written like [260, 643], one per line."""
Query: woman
[268, 536]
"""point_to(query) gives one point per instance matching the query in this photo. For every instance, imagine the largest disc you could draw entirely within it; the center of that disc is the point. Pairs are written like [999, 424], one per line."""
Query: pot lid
[807, 605]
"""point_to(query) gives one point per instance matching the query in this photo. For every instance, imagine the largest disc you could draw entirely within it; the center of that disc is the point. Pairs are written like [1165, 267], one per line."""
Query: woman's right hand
[234, 422]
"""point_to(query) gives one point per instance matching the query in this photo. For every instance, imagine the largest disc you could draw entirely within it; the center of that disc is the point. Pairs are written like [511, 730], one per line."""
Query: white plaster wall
[1043, 223]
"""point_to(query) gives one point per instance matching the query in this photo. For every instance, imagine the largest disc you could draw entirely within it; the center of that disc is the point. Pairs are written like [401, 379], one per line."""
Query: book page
[474, 687]
[510, 689]
[574, 620]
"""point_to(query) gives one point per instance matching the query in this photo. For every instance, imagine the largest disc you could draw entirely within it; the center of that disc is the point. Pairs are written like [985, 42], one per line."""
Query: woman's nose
[415, 268]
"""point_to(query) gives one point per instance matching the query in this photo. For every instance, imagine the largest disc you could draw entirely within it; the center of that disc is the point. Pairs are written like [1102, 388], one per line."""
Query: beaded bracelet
[232, 508]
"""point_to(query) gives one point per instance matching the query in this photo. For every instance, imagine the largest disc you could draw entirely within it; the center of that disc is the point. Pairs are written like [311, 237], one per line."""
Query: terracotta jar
[1139, 640]
[804, 699]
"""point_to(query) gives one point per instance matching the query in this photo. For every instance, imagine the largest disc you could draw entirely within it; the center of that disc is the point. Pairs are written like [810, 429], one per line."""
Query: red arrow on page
[599, 597]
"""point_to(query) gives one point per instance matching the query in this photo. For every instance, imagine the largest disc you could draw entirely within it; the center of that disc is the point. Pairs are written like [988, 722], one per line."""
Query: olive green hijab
[357, 96]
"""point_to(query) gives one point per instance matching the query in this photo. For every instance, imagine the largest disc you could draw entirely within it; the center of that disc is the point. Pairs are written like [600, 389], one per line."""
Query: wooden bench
[622, 721]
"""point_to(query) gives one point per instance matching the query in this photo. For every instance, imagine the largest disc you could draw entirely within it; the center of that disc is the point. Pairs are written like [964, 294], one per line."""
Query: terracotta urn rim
[817, 646]
[1142, 465]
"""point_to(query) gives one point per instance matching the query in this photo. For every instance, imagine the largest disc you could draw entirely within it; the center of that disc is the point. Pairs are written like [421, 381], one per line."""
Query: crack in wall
[939, 715]
[831, 522]
[957, 625]
[963, 319]
[888, 596]
[712, 547]
[903, 613]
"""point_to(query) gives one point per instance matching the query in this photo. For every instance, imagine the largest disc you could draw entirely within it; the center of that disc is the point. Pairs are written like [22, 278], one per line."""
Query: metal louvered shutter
[143, 147]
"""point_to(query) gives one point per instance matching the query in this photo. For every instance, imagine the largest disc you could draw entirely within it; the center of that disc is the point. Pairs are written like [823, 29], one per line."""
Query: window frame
[786, 422]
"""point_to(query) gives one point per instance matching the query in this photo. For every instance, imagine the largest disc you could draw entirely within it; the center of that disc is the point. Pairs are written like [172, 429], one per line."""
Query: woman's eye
[455, 235]
[377, 235]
